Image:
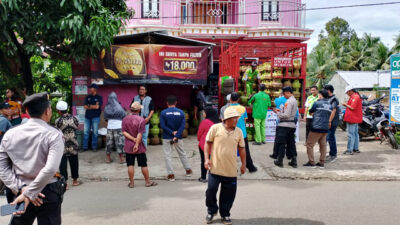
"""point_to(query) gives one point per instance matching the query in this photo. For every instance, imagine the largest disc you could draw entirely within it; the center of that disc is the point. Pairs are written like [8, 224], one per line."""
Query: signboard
[394, 107]
[81, 85]
[283, 62]
[270, 127]
[165, 64]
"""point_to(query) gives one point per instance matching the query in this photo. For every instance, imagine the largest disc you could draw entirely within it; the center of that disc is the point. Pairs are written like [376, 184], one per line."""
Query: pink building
[216, 20]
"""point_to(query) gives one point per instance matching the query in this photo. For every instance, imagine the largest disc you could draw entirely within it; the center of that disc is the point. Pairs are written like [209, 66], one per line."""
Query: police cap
[39, 98]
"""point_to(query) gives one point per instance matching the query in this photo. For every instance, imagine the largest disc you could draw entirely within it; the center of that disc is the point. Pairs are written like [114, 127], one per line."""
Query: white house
[363, 81]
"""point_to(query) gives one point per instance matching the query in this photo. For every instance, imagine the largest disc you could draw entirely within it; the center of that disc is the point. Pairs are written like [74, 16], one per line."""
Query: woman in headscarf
[15, 106]
[211, 118]
[114, 114]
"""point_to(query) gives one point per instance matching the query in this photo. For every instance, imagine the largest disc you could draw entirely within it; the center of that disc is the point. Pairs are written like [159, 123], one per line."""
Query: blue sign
[394, 108]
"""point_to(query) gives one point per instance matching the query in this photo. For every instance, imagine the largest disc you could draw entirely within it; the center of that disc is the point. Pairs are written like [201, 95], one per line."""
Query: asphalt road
[263, 202]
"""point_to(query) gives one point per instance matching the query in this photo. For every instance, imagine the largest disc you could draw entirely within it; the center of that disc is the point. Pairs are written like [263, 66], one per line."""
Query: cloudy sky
[382, 21]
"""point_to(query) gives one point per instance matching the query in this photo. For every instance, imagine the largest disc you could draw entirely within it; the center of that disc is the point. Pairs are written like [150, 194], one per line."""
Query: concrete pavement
[258, 203]
[376, 162]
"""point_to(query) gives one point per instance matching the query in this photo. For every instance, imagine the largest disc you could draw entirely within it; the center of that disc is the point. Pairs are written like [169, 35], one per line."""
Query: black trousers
[226, 196]
[308, 126]
[47, 214]
[286, 142]
[249, 161]
[73, 163]
[202, 168]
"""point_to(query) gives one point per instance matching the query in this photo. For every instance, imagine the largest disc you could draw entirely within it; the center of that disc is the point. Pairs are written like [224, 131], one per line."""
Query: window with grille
[270, 10]
[150, 9]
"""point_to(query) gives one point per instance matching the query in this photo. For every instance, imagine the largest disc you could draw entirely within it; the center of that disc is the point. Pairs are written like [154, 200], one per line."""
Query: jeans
[73, 163]
[331, 139]
[259, 126]
[91, 124]
[145, 135]
[353, 138]
[226, 196]
[167, 147]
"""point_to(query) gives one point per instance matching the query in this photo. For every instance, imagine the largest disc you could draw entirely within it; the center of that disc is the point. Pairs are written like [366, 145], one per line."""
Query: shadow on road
[277, 221]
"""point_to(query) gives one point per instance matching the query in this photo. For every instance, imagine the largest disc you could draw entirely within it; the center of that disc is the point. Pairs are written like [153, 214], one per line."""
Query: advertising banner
[394, 107]
[164, 64]
[270, 127]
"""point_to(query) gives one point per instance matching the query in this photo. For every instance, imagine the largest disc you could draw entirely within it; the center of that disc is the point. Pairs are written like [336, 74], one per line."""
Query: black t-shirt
[93, 100]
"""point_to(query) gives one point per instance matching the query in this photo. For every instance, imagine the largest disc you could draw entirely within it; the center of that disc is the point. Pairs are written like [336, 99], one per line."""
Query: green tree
[65, 30]
[341, 28]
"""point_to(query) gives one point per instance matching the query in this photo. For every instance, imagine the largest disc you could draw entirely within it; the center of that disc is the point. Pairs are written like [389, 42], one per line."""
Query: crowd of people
[222, 138]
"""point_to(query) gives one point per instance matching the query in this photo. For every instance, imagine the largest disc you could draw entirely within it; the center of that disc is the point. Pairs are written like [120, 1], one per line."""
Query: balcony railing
[219, 12]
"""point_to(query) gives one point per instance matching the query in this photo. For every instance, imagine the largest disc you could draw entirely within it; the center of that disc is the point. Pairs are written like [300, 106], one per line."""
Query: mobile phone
[10, 209]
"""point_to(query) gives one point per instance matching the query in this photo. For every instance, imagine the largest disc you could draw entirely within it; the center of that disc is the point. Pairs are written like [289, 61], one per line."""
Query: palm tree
[320, 67]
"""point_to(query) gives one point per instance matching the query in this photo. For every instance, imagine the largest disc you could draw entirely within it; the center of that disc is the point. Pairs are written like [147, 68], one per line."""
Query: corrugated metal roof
[366, 79]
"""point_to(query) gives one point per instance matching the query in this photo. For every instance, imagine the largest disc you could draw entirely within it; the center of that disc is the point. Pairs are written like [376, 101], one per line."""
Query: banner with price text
[163, 64]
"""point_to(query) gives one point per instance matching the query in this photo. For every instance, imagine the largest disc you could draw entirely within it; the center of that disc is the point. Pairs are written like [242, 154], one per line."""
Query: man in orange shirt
[353, 116]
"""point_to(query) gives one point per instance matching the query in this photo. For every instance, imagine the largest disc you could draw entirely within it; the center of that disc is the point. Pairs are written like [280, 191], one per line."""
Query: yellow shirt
[224, 149]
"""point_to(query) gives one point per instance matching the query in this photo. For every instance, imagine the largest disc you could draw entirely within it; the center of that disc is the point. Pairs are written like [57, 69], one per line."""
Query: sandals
[131, 186]
[151, 184]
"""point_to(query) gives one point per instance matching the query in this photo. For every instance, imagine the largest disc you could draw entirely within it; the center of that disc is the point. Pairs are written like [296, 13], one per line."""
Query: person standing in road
[211, 118]
[309, 103]
[93, 103]
[250, 77]
[68, 125]
[30, 156]
[321, 112]
[334, 122]
[285, 133]
[242, 125]
[353, 116]
[5, 124]
[133, 127]
[114, 114]
[261, 102]
[222, 142]
[172, 121]
[147, 111]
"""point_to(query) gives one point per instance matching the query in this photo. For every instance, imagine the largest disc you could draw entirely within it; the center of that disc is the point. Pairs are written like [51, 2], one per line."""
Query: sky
[382, 21]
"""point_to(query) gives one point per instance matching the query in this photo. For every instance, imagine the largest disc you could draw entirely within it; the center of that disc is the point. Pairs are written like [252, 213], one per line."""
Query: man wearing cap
[222, 142]
[93, 103]
[68, 124]
[4, 122]
[285, 132]
[30, 156]
[228, 102]
[133, 128]
[352, 116]
[250, 77]
[242, 125]
[261, 102]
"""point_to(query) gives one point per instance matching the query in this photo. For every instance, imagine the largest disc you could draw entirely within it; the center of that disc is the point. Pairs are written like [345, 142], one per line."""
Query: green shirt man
[261, 102]
[250, 77]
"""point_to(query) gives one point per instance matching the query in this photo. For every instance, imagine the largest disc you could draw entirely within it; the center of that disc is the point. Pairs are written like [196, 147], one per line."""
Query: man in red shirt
[133, 128]
[353, 116]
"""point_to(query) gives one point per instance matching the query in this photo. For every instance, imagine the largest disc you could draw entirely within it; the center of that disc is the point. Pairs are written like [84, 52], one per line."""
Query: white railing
[219, 12]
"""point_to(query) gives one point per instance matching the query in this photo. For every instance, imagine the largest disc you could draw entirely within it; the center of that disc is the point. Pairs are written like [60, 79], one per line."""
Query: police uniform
[30, 156]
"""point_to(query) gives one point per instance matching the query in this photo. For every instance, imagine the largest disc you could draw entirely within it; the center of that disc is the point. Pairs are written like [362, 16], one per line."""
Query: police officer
[285, 132]
[30, 156]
